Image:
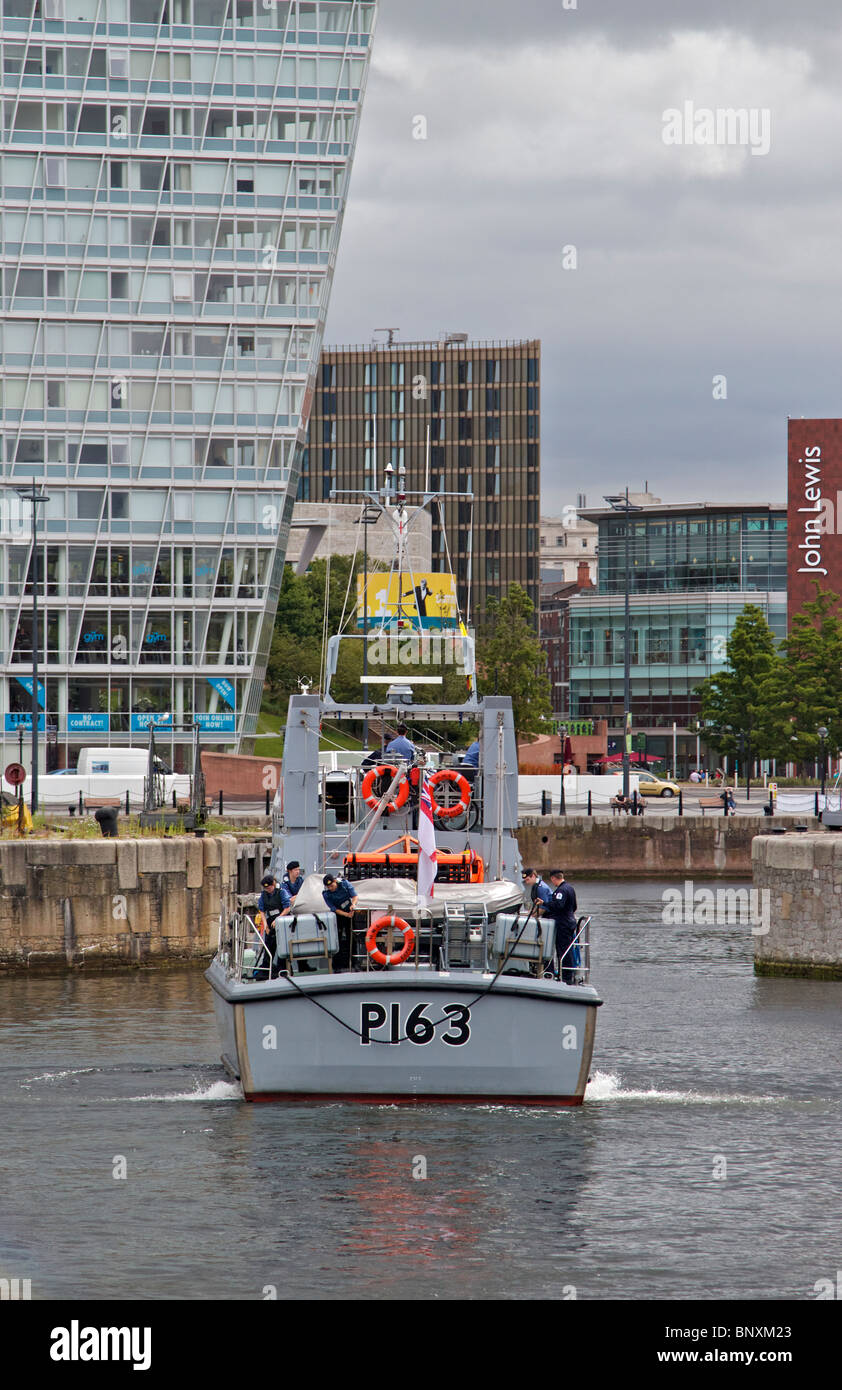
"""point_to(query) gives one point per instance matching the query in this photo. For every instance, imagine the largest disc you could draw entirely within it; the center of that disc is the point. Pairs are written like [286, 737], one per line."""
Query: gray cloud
[693, 262]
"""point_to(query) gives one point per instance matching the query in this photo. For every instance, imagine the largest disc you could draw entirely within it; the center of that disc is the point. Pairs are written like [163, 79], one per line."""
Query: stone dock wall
[648, 846]
[803, 877]
[102, 904]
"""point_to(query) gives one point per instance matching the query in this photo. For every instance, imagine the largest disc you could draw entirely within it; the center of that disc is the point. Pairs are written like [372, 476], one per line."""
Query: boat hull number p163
[416, 1027]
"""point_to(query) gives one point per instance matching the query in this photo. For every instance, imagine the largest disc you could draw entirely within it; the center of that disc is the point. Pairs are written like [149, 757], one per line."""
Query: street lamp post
[621, 503]
[34, 497]
[822, 732]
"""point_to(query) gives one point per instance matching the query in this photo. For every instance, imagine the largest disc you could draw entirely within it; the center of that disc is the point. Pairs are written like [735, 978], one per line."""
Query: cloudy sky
[545, 131]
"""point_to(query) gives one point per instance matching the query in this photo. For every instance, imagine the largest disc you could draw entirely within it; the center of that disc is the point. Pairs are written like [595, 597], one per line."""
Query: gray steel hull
[524, 1042]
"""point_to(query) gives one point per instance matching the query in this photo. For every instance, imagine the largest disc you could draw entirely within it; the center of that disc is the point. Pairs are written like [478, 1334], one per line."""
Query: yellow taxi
[650, 785]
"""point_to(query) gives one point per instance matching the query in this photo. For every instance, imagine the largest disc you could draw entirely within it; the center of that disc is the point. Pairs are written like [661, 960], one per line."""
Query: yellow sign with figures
[419, 598]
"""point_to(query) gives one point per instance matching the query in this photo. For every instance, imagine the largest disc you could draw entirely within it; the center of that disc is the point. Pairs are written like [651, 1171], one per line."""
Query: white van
[107, 772]
[117, 761]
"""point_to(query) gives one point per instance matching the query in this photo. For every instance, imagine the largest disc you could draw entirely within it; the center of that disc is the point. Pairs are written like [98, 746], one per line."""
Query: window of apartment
[55, 172]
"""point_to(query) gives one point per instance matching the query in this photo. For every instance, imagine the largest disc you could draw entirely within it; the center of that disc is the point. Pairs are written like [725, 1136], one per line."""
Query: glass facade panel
[166, 251]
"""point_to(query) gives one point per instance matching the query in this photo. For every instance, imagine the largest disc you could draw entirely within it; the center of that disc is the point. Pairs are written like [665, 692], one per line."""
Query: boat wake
[217, 1091]
[58, 1075]
[605, 1086]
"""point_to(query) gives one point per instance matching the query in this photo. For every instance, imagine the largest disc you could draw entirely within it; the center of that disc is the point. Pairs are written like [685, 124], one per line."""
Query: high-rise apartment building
[174, 174]
[463, 416]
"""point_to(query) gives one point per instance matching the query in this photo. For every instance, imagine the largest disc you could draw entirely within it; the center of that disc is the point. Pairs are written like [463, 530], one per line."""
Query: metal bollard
[220, 801]
[817, 806]
[268, 802]
[590, 803]
[81, 805]
[771, 804]
[173, 798]
[546, 804]
[680, 801]
[127, 802]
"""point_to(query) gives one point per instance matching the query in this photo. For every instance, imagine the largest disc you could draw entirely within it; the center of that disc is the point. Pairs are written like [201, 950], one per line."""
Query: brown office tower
[463, 416]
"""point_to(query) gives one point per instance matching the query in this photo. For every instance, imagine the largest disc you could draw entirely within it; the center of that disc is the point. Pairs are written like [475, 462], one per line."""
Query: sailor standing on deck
[562, 908]
[340, 896]
[293, 879]
[539, 891]
[401, 745]
[274, 902]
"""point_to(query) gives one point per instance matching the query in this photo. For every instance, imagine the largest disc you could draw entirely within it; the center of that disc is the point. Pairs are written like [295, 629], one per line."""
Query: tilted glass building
[174, 174]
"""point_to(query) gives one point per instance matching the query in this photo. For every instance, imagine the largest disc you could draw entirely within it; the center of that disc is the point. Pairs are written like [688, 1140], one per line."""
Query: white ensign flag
[427, 866]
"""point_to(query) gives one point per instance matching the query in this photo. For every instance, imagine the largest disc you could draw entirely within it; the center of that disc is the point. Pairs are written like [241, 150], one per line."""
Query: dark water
[696, 1060]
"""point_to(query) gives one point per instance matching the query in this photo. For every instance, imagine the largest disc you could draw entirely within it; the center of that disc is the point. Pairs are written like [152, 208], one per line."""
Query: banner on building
[23, 720]
[224, 688]
[140, 722]
[421, 599]
[87, 722]
[26, 682]
[217, 723]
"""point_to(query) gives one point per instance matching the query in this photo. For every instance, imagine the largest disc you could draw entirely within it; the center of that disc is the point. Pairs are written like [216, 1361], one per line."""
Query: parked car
[650, 785]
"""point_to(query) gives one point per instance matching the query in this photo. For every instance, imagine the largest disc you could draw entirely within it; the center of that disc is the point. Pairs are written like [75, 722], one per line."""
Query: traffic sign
[15, 774]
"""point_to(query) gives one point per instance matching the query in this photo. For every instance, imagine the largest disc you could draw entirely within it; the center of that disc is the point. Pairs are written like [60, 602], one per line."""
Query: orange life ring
[447, 774]
[401, 797]
[397, 957]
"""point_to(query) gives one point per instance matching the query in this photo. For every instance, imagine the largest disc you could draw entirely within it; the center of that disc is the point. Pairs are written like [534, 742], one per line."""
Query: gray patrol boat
[451, 996]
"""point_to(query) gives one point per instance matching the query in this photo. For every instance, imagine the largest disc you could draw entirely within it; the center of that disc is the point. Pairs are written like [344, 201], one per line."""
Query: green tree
[511, 660]
[809, 689]
[296, 649]
[742, 698]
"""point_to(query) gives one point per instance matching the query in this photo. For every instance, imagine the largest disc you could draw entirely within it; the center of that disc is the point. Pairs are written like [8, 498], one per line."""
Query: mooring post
[590, 802]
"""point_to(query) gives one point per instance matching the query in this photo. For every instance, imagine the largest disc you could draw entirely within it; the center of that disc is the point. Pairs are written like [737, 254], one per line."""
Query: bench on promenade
[616, 806]
[710, 803]
[97, 803]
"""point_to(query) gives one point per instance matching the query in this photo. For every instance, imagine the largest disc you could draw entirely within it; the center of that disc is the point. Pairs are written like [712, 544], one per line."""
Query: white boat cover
[399, 895]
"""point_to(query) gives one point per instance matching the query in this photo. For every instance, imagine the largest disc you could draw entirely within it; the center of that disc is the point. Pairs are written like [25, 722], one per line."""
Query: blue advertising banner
[81, 723]
[26, 682]
[223, 688]
[19, 720]
[141, 722]
[219, 723]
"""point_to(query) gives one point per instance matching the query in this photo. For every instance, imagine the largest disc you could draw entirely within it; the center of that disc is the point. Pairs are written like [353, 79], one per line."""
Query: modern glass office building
[692, 571]
[174, 174]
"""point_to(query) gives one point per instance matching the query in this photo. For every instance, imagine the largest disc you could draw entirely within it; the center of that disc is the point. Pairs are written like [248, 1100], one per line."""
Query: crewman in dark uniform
[340, 895]
[274, 902]
[293, 879]
[539, 891]
[562, 908]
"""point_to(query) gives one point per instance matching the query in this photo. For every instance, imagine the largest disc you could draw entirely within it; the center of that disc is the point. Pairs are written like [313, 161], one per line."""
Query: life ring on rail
[369, 796]
[397, 957]
[447, 774]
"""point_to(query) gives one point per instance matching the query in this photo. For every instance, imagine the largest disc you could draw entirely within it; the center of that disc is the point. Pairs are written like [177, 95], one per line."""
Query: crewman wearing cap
[274, 902]
[539, 891]
[293, 879]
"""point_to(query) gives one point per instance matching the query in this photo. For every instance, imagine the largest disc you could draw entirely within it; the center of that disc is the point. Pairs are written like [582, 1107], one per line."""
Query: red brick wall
[243, 777]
